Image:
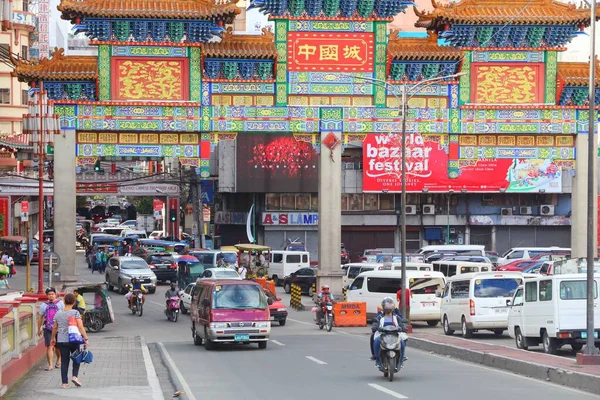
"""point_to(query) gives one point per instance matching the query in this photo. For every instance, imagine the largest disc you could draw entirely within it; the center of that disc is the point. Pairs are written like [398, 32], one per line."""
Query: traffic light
[173, 215]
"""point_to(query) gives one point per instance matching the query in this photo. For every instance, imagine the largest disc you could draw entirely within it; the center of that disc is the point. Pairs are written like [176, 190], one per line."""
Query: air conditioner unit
[411, 209]
[525, 210]
[506, 211]
[429, 209]
[487, 197]
[546, 209]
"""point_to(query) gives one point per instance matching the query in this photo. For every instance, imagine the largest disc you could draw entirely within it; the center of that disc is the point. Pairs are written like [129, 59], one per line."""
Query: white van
[283, 263]
[132, 232]
[472, 249]
[209, 257]
[372, 287]
[527, 253]
[551, 310]
[410, 266]
[473, 302]
[451, 268]
[355, 269]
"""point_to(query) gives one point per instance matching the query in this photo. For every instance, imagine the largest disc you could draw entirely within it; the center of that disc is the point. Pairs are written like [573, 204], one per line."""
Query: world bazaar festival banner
[427, 168]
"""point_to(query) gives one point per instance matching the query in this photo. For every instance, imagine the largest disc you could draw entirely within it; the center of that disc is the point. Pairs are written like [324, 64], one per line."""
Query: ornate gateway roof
[514, 12]
[57, 68]
[420, 48]
[577, 73]
[242, 46]
[150, 9]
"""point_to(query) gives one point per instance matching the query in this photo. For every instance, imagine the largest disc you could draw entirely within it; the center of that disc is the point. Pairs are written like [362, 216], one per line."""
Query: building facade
[491, 138]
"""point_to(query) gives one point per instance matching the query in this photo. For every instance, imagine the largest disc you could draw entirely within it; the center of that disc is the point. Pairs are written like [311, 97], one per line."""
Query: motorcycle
[390, 348]
[138, 302]
[172, 311]
[326, 319]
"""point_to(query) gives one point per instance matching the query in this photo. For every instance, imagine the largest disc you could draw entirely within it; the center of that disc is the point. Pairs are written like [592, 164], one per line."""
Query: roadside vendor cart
[249, 256]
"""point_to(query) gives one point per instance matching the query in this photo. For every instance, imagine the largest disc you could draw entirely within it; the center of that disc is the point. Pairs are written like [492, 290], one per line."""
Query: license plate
[501, 310]
[427, 304]
[242, 337]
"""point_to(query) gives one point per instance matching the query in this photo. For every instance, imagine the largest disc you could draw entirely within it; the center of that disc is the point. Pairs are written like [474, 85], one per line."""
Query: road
[302, 361]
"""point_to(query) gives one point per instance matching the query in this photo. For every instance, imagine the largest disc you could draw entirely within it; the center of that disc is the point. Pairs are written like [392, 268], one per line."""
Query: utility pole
[198, 213]
[201, 219]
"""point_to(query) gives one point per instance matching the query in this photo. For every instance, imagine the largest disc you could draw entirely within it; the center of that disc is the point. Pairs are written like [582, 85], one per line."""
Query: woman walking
[61, 326]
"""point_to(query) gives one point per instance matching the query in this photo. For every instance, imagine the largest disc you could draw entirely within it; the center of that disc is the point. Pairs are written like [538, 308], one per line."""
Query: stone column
[579, 203]
[64, 203]
[330, 204]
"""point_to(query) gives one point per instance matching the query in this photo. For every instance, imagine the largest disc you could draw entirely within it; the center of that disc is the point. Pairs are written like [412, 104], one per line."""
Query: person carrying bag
[70, 335]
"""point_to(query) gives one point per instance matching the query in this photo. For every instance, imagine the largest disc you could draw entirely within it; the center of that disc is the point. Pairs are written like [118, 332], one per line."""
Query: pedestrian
[104, 260]
[68, 347]
[242, 271]
[48, 311]
[4, 258]
[11, 266]
[3, 282]
[79, 302]
[98, 261]
[408, 296]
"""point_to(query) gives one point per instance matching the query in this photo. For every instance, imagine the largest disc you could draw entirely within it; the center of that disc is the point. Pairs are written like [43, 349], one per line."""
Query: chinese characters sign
[309, 51]
[150, 79]
[513, 83]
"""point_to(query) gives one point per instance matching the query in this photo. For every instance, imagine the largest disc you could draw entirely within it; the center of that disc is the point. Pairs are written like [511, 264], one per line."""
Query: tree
[145, 205]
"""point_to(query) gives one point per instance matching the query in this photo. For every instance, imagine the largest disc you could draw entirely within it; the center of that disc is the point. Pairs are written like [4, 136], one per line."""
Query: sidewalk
[121, 369]
[556, 369]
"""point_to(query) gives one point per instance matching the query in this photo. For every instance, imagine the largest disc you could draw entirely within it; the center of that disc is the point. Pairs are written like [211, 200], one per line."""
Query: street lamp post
[406, 90]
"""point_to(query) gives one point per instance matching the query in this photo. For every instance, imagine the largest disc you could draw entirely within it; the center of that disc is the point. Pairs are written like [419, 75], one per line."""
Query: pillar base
[334, 280]
[586, 359]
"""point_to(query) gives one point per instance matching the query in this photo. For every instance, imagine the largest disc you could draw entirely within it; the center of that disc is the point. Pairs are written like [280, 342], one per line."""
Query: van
[372, 287]
[209, 257]
[551, 311]
[229, 311]
[474, 302]
[472, 249]
[451, 268]
[352, 270]
[282, 263]
[527, 253]
[132, 232]
[410, 266]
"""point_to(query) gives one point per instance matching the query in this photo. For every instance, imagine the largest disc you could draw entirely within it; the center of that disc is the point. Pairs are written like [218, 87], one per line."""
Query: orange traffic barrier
[265, 284]
[350, 314]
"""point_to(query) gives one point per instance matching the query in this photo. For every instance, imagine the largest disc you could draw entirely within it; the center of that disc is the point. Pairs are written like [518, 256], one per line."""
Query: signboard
[329, 51]
[514, 83]
[427, 169]
[152, 189]
[24, 211]
[4, 215]
[206, 214]
[97, 187]
[208, 191]
[23, 18]
[272, 163]
[44, 28]
[230, 218]
[291, 218]
[157, 206]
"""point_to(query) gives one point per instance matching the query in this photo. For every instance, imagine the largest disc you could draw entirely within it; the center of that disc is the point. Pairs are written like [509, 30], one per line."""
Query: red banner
[4, 208]
[427, 169]
[309, 51]
[158, 205]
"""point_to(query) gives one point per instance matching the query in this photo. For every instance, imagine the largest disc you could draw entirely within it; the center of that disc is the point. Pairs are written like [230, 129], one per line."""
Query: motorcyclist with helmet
[388, 316]
[172, 292]
[323, 297]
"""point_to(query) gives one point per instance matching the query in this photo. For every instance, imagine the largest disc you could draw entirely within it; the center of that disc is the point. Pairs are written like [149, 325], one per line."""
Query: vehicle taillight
[152, 266]
[472, 307]
[364, 259]
[173, 266]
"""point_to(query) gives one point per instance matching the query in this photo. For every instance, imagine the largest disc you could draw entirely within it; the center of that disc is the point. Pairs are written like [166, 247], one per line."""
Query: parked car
[370, 255]
[120, 270]
[295, 246]
[493, 256]
[186, 298]
[479, 259]
[304, 277]
[345, 255]
[220, 273]
[163, 265]
[278, 310]
[518, 265]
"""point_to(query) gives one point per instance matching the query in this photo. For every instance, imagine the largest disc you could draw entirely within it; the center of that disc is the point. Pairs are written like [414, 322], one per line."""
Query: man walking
[46, 322]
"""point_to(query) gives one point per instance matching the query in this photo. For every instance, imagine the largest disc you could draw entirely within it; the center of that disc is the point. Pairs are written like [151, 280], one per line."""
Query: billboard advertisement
[4, 215]
[427, 169]
[275, 163]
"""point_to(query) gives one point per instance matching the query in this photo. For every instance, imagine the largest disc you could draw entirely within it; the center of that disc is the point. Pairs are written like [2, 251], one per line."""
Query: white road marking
[311, 358]
[180, 378]
[158, 304]
[277, 342]
[301, 322]
[387, 391]
[151, 372]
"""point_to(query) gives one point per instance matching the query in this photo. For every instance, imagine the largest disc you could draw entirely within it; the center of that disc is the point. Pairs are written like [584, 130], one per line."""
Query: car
[438, 256]
[112, 221]
[294, 245]
[185, 304]
[533, 269]
[518, 265]
[131, 223]
[278, 310]
[480, 259]
[154, 234]
[163, 265]
[304, 277]
[120, 271]
[493, 256]
[219, 273]
[345, 255]
[370, 255]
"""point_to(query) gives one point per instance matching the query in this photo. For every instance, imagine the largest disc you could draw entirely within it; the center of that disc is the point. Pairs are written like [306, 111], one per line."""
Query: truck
[145, 223]
[551, 311]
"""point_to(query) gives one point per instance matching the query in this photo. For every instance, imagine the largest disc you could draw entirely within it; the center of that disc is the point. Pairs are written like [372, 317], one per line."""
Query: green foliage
[144, 205]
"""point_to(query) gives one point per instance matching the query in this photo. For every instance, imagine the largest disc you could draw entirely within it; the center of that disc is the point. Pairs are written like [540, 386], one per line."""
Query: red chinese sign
[427, 169]
[4, 206]
[150, 79]
[309, 51]
[97, 187]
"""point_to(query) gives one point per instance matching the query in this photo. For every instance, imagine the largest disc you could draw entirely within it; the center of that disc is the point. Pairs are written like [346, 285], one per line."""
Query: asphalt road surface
[303, 362]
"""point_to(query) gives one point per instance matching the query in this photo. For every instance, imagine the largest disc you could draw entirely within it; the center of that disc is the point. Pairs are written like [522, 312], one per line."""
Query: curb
[559, 376]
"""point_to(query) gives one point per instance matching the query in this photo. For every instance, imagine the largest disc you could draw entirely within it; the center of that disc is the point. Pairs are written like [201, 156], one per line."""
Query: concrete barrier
[577, 380]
